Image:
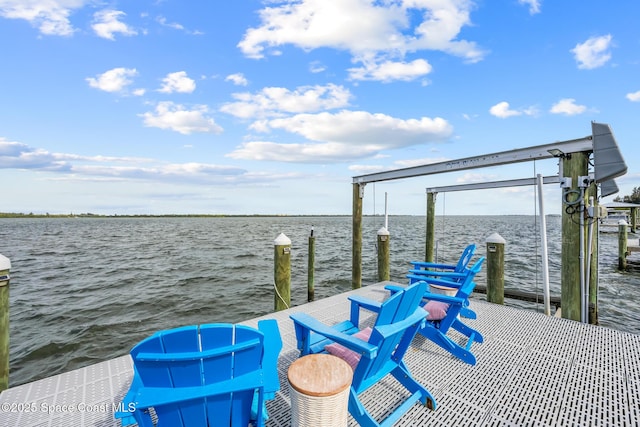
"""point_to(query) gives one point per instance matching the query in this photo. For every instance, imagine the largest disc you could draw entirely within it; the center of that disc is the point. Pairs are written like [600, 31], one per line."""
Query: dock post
[622, 245]
[430, 236]
[383, 255]
[311, 267]
[356, 248]
[634, 219]
[5, 267]
[495, 268]
[282, 272]
[574, 165]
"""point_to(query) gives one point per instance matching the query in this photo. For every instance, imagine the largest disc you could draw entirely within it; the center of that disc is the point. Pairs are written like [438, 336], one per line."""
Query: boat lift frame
[608, 165]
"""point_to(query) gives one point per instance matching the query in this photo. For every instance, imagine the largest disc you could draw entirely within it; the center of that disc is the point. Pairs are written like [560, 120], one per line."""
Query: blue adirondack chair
[443, 314]
[452, 272]
[207, 375]
[397, 321]
[423, 267]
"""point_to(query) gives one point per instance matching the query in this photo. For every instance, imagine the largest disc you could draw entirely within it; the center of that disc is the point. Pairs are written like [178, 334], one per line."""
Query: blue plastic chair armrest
[447, 274]
[366, 303]
[125, 416]
[158, 396]
[445, 298]
[355, 344]
[394, 288]
[418, 316]
[272, 347]
[425, 264]
[358, 302]
[434, 281]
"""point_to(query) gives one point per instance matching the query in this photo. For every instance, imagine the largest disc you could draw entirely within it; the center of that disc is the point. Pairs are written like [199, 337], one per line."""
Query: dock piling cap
[496, 238]
[5, 264]
[282, 240]
[383, 232]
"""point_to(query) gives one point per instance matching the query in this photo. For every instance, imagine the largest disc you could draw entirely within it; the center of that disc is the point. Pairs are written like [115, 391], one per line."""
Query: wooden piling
[356, 247]
[430, 236]
[383, 255]
[574, 165]
[282, 272]
[311, 267]
[495, 268]
[622, 245]
[5, 267]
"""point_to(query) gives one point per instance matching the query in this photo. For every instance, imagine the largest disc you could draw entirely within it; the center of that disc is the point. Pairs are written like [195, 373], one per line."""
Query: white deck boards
[532, 370]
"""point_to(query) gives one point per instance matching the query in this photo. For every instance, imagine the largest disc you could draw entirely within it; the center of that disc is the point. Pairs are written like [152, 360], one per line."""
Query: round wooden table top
[320, 375]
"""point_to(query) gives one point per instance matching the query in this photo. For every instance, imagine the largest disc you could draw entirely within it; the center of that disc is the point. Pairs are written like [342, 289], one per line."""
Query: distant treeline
[90, 215]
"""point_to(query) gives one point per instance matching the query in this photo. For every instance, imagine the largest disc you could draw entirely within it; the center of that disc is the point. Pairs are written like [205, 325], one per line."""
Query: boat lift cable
[444, 216]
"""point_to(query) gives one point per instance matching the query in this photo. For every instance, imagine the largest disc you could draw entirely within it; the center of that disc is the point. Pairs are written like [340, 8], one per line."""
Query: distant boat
[611, 221]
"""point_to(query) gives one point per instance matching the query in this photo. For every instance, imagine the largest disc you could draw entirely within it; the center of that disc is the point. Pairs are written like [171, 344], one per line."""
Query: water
[84, 290]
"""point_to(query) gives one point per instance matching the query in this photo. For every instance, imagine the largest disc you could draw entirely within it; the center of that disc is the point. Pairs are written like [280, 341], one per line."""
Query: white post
[545, 251]
[386, 217]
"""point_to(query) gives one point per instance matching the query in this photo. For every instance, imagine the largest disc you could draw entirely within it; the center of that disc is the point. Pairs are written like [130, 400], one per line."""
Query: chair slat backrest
[230, 407]
[465, 258]
[195, 362]
[390, 348]
[164, 373]
[464, 291]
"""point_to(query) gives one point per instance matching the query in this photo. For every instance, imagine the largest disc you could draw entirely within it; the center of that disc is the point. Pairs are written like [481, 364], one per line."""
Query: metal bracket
[361, 186]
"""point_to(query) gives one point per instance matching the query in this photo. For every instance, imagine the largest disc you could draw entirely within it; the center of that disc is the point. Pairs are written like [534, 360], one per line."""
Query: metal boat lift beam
[554, 179]
[501, 158]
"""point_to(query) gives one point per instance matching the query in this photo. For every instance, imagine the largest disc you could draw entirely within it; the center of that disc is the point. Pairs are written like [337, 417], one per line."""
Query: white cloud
[272, 101]
[534, 5]
[593, 53]
[502, 110]
[16, 155]
[383, 31]
[115, 80]
[73, 167]
[317, 67]
[568, 107]
[163, 21]
[106, 24]
[343, 136]
[388, 70]
[50, 17]
[177, 82]
[176, 26]
[471, 177]
[634, 96]
[237, 79]
[408, 163]
[177, 118]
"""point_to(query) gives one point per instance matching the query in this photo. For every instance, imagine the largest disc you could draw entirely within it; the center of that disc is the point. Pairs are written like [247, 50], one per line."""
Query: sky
[272, 107]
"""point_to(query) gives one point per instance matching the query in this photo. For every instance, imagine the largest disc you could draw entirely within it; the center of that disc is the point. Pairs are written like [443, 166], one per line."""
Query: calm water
[84, 290]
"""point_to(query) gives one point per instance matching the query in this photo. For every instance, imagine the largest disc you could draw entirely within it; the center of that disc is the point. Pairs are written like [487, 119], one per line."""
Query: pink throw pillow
[349, 356]
[437, 310]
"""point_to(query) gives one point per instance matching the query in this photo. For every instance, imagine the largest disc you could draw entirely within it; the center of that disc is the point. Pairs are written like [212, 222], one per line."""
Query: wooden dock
[532, 370]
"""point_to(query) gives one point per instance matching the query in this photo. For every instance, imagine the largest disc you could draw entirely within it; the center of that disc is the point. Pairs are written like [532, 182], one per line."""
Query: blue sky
[271, 107]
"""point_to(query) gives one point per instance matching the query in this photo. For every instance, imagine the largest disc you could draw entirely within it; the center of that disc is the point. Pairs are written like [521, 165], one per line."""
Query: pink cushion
[349, 356]
[437, 310]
